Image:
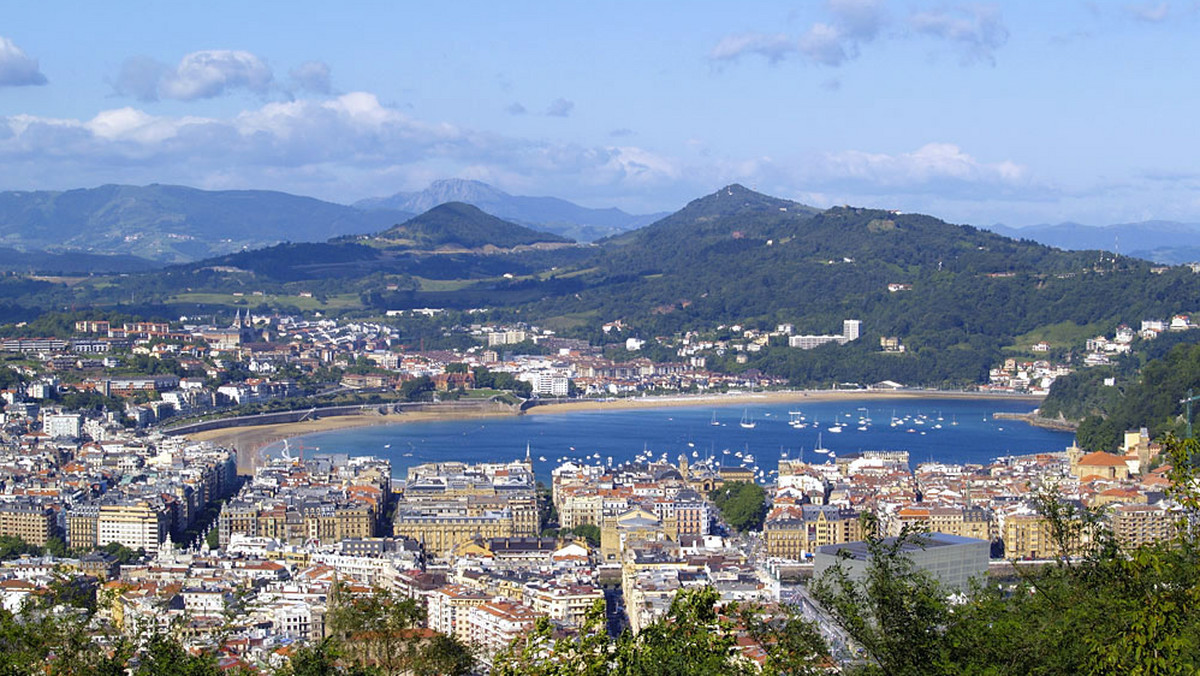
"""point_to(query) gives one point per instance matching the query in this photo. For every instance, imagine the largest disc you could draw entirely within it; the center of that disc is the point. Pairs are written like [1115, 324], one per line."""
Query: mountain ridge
[171, 223]
[1169, 242]
[464, 226]
[551, 214]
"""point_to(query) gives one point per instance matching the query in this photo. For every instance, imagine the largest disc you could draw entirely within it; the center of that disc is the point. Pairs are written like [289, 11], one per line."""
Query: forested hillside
[956, 296]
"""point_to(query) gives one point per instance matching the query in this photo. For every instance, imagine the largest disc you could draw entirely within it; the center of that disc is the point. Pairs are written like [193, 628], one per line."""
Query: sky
[1016, 113]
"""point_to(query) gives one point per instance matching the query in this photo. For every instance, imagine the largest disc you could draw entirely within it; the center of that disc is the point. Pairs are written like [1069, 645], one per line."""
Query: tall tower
[851, 329]
[683, 466]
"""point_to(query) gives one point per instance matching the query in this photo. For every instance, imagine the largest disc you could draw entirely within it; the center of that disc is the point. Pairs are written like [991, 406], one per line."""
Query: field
[339, 302]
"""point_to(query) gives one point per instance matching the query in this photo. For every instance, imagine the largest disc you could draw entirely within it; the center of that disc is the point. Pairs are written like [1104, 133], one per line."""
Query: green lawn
[1060, 335]
[445, 284]
[569, 321]
[339, 302]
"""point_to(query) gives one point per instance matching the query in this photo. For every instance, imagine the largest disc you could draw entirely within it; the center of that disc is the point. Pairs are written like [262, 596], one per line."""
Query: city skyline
[1016, 113]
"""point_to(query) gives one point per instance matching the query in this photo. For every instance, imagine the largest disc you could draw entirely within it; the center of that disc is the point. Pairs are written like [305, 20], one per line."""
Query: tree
[162, 655]
[696, 637]
[382, 631]
[1100, 608]
[743, 505]
[896, 614]
[587, 531]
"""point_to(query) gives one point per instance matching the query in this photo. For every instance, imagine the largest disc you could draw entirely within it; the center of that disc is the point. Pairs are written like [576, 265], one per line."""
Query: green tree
[1099, 608]
[382, 631]
[694, 638]
[743, 505]
[587, 531]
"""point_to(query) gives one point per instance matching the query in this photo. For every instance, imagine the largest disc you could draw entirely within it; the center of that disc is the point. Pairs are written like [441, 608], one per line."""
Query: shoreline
[249, 441]
[770, 397]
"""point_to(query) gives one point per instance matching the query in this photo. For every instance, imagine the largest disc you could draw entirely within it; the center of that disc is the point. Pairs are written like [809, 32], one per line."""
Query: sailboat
[747, 423]
[714, 422]
[820, 448]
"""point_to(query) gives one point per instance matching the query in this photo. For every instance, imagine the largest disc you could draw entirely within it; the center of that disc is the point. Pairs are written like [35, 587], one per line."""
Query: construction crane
[1188, 403]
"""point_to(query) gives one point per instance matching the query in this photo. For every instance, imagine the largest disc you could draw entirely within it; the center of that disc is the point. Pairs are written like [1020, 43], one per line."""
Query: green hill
[731, 258]
[456, 225]
[172, 223]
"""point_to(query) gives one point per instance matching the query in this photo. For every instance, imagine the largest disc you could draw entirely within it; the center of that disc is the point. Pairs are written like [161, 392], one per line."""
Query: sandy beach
[773, 397]
[250, 440]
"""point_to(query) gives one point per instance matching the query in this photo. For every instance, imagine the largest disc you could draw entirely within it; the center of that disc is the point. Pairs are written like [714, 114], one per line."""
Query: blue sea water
[951, 430]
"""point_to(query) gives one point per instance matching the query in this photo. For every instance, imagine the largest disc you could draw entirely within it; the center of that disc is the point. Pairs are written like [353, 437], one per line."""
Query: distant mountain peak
[462, 225]
[544, 213]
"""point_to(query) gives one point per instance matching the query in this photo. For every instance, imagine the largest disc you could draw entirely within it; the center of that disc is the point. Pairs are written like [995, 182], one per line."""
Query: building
[1101, 465]
[33, 523]
[134, 524]
[81, 526]
[796, 531]
[63, 425]
[970, 522]
[446, 606]
[1139, 525]
[851, 329]
[950, 560]
[493, 625]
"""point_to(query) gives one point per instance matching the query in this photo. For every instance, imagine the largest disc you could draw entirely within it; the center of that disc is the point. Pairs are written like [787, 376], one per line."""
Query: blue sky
[1016, 112]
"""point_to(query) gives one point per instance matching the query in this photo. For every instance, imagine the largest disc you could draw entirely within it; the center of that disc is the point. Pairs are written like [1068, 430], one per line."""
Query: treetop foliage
[743, 505]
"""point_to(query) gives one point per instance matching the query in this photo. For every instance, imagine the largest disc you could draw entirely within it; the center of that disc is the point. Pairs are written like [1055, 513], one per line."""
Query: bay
[942, 430]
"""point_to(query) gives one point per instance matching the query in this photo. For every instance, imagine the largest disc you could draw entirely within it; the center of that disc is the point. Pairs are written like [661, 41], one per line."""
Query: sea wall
[277, 417]
[1058, 424]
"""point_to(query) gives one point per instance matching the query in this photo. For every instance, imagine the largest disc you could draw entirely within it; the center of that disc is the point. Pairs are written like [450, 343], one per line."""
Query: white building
[134, 525]
[495, 624]
[63, 425]
[851, 329]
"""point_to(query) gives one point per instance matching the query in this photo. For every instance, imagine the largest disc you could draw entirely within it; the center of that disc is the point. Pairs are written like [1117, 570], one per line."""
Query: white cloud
[560, 108]
[1151, 12]
[933, 164]
[829, 43]
[16, 68]
[205, 74]
[823, 44]
[859, 20]
[312, 76]
[345, 147]
[978, 30]
[772, 46]
[202, 75]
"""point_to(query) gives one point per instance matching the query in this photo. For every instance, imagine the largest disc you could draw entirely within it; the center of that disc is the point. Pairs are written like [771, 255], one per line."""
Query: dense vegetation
[459, 225]
[696, 637]
[381, 633]
[173, 223]
[1151, 399]
[742, 505]
[1099, 609]
[734, 257]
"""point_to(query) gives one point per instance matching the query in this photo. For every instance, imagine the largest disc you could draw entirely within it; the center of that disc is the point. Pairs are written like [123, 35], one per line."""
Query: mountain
[456, 225]
[544, 213]
[71, 263]
[173, 223]
[452, 241]
[960, 299]
[1167, 242]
